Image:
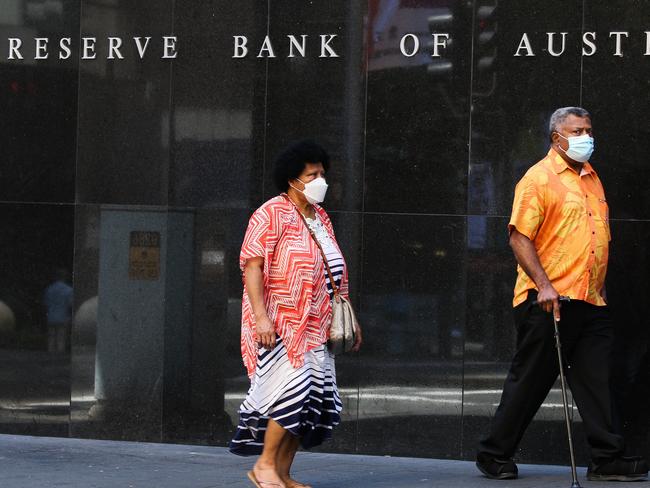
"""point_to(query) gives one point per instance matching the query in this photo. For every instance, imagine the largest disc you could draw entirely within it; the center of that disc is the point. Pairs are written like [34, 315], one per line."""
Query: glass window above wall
[41, 13]
[39, 100]
[11, 13]
[418, 110]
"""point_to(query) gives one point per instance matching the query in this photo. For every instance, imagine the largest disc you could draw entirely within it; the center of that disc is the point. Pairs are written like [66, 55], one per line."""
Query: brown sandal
[261, 484]
[297, 484]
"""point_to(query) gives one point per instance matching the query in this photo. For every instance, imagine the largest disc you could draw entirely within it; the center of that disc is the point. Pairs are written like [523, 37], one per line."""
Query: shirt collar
[559, 164]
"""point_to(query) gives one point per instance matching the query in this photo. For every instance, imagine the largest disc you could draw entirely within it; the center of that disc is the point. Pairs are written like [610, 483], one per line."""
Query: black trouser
[586, 335]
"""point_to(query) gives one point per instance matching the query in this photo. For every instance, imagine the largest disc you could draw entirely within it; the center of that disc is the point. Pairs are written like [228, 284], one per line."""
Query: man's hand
[549, 300]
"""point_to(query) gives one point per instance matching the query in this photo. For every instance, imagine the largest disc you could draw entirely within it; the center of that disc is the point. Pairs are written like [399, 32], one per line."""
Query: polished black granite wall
[425, 155]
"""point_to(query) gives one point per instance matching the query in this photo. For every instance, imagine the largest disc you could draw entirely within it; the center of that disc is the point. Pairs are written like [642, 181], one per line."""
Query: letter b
[240, 47]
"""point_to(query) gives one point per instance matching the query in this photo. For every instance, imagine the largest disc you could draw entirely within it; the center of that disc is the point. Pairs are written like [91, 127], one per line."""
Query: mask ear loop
[558, 144]
[301, 191]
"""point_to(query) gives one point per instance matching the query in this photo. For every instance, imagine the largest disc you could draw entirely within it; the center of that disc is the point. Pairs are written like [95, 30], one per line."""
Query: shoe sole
[502, 476]
[617, 477]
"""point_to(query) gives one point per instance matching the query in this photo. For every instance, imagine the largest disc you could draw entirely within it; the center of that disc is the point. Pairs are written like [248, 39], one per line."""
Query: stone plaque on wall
[144, 255]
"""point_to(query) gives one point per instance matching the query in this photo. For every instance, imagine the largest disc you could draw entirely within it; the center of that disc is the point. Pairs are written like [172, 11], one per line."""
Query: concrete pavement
[42, 462]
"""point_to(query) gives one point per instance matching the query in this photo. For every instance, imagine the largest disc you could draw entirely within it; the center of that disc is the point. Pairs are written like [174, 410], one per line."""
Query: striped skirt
[305, 401]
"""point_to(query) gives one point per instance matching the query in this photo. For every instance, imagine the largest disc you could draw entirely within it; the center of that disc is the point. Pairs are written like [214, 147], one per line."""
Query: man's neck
[574, 165]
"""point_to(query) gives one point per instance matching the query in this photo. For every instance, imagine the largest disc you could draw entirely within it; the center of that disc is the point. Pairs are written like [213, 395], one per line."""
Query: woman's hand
[254, 279]
[358, 339]
[265, 332]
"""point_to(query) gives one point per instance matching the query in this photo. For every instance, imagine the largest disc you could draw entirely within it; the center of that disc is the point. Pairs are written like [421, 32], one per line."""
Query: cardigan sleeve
[261, 235]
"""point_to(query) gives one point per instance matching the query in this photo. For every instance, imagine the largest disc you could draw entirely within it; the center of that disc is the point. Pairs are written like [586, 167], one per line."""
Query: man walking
[58, 307]
[559, 232]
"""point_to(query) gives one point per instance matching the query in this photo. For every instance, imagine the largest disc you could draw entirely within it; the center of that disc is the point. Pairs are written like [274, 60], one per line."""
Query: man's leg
[532, 373]
[67, 336]
[51, 338]
[60, 338]
[588, 376]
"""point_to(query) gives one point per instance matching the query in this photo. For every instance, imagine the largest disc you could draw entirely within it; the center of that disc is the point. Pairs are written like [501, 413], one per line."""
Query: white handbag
[344, 322]
[344, 325]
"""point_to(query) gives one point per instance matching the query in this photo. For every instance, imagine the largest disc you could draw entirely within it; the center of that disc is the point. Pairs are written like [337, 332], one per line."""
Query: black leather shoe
[496, 468]
[618, 469]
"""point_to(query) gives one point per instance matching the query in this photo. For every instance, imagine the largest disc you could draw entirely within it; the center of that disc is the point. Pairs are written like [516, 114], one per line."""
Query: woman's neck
[300, 201]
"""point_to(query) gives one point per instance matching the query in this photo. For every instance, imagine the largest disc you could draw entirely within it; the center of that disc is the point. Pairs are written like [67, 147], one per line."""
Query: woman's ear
[296, 183]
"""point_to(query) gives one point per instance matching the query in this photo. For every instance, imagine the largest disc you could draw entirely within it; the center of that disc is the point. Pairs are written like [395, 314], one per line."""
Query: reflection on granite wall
[139, 175]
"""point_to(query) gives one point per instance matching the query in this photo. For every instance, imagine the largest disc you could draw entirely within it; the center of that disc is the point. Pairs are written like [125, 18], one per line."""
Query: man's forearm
[528, 259]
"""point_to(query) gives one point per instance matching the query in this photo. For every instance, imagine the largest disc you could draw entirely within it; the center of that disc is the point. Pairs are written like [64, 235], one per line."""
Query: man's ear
[555, 137]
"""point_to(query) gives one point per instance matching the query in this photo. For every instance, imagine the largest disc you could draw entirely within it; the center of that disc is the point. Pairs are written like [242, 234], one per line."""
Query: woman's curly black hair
[291, 162]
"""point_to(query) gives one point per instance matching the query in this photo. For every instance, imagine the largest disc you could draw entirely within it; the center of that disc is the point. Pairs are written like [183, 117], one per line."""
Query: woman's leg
[266, 467]
[286, 455]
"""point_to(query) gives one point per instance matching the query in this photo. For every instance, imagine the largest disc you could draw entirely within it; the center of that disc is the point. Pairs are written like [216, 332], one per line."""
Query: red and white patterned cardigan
[295, 293]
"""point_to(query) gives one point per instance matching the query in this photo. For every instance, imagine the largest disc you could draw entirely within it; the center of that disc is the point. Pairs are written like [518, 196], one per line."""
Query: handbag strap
[335, 288]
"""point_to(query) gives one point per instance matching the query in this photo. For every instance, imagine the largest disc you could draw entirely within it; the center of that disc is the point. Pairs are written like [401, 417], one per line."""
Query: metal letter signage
[386, 47]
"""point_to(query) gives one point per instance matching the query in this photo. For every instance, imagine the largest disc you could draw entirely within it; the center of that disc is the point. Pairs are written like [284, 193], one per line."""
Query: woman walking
[286, 314]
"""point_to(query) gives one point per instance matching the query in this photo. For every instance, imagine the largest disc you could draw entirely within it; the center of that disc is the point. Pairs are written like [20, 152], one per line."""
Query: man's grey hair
[561, 114]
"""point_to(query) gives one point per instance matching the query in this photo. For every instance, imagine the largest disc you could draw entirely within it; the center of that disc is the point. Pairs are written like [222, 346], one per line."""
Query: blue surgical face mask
[580, 147]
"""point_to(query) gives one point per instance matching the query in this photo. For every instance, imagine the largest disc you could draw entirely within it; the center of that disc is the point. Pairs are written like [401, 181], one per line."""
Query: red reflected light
[14, 86]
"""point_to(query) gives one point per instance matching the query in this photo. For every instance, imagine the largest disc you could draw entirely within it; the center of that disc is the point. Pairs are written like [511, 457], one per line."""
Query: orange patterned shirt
[565, 215]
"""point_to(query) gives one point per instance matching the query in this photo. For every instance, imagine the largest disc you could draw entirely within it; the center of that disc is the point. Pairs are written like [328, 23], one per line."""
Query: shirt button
[589, 214]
